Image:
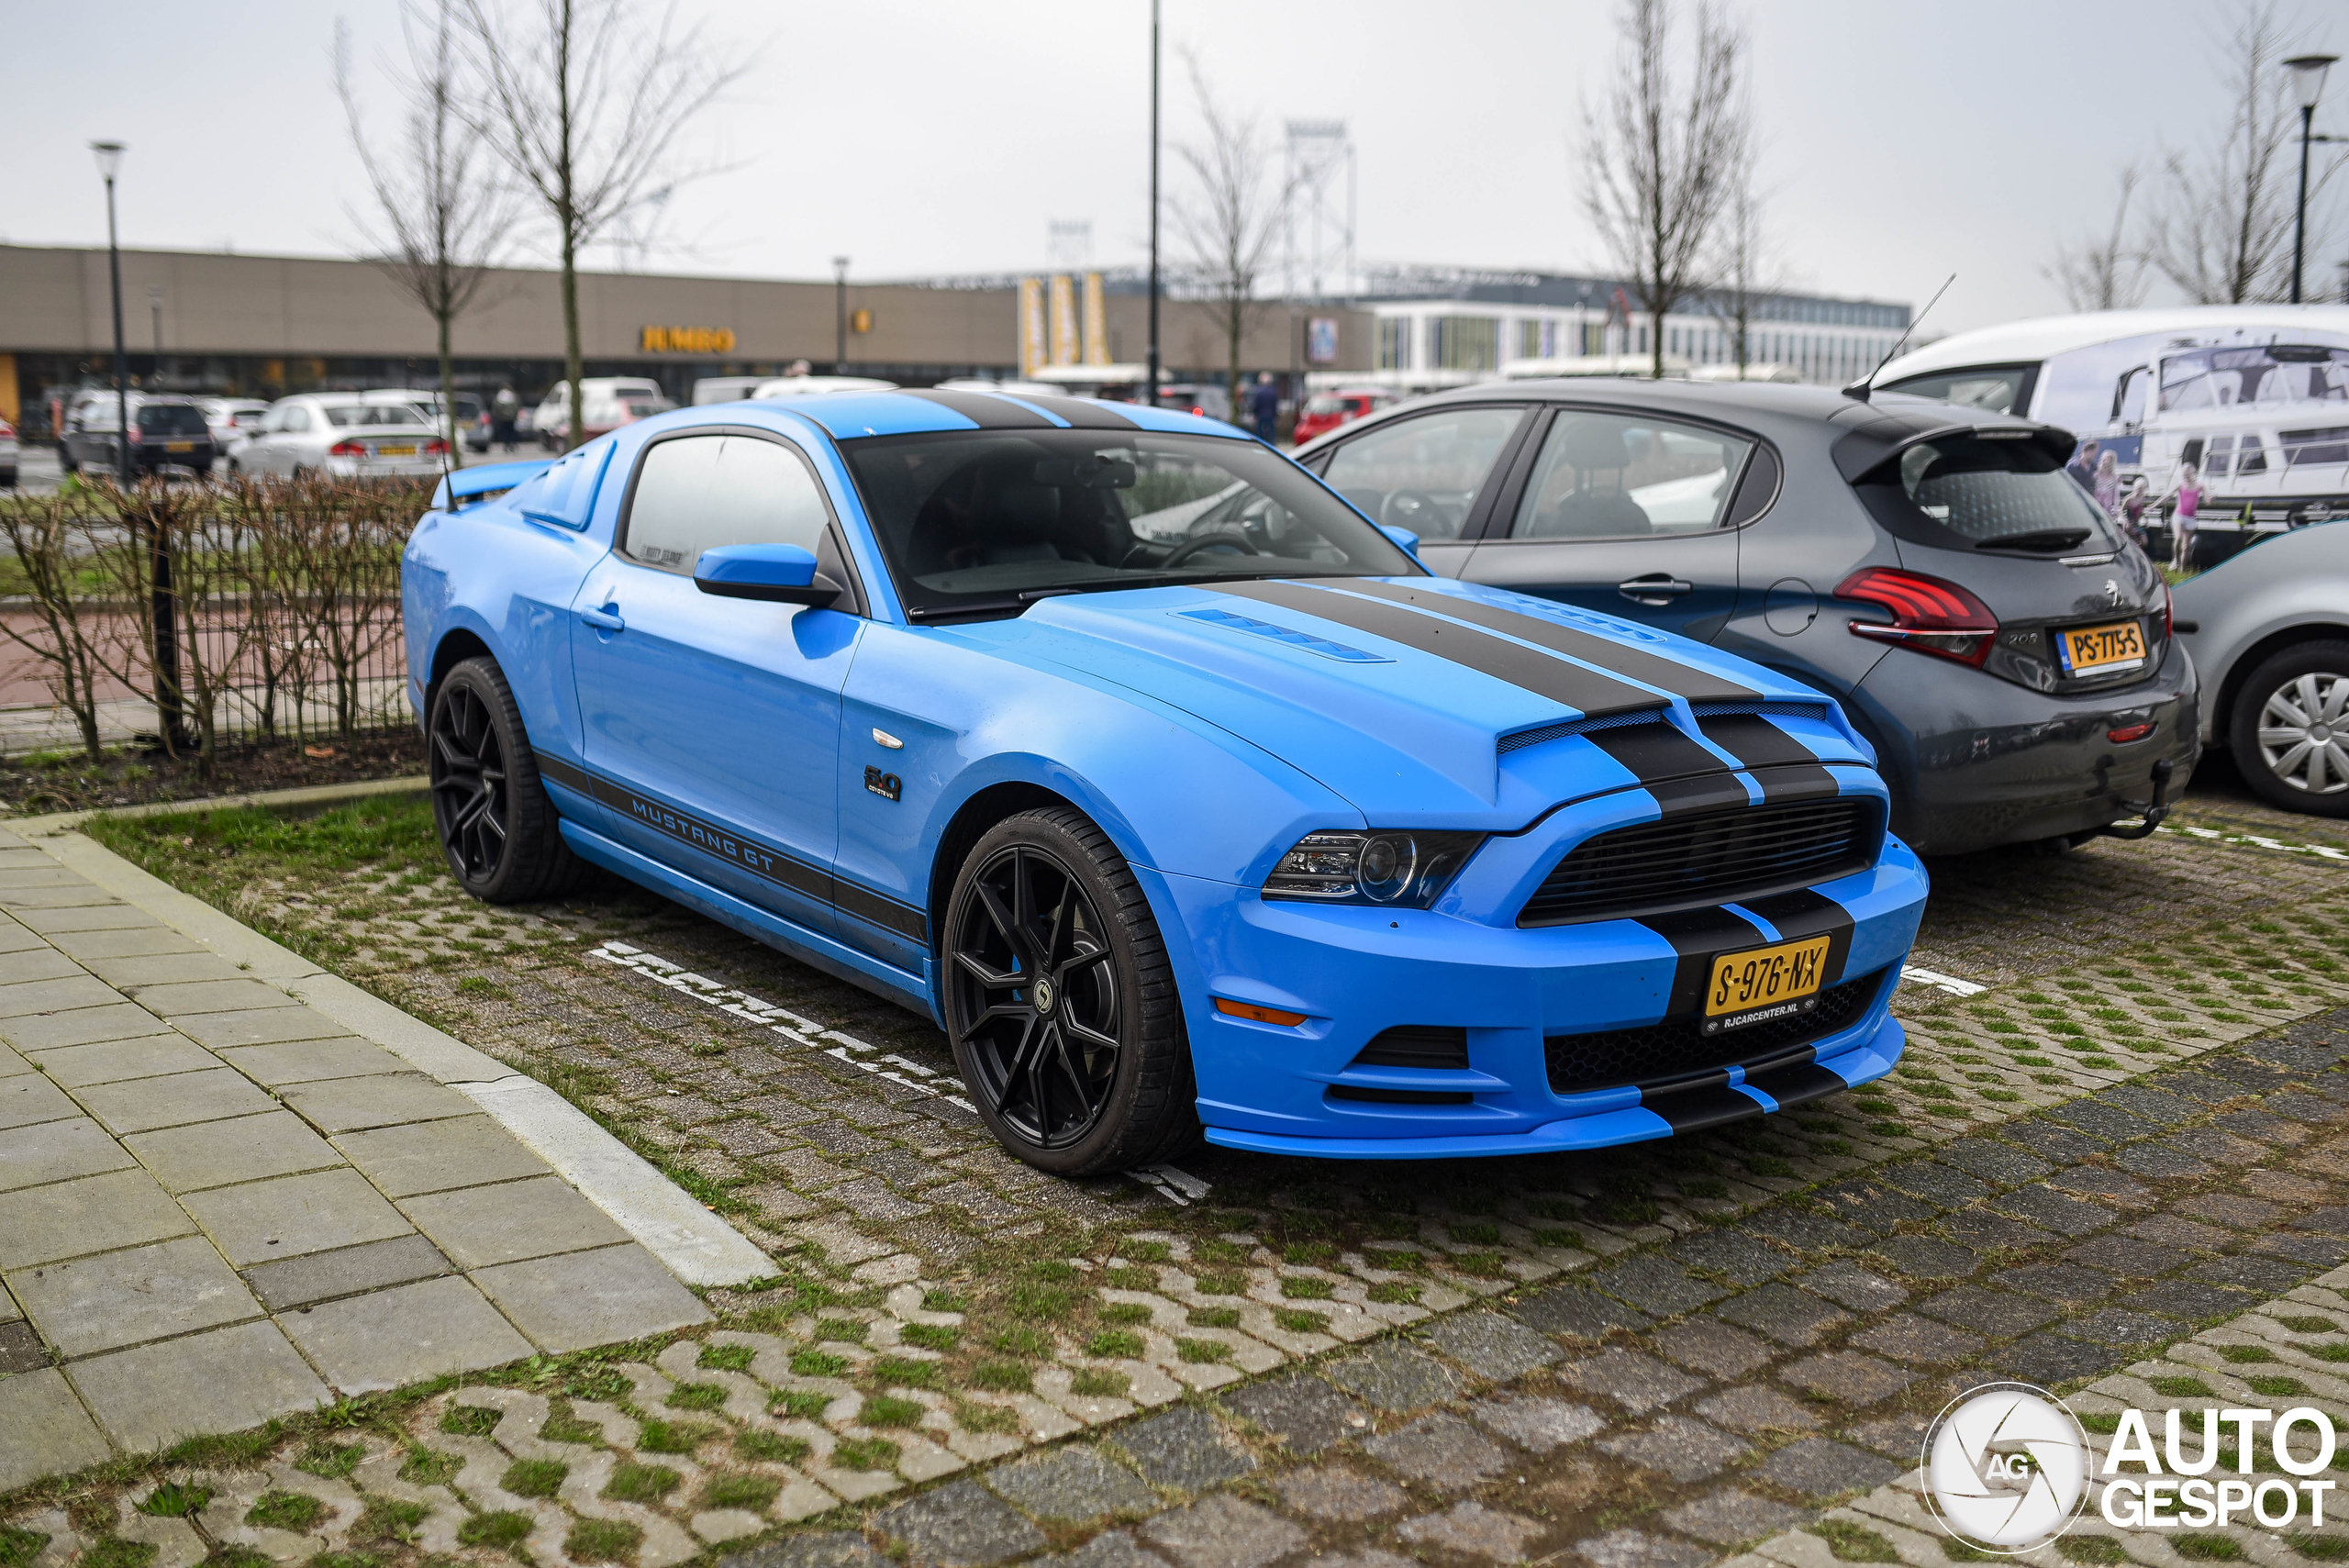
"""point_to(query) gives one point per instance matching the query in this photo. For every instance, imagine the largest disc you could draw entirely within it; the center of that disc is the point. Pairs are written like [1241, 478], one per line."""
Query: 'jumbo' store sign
[685, 339]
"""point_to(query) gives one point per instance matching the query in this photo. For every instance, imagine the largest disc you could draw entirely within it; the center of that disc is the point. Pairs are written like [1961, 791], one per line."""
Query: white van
[610, 401]
[2256, 396]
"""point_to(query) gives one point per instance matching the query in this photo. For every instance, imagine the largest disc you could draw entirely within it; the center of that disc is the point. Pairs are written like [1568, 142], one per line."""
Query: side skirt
[818, 952]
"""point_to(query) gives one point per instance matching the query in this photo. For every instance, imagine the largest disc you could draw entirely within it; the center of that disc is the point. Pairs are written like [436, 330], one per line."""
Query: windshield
[1996, 389]
[362, 416]
[1986, 492]
[170, 419]
[2275, 373]
[983, 522]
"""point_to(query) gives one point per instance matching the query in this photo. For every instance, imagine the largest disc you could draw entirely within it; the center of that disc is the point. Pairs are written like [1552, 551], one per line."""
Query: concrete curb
[696, 1245]
[309, 795]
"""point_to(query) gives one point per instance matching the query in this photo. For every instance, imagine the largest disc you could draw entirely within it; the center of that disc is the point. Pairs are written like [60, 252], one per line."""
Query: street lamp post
[839, 316]
[2308, 78]
[155, 309]
[1150, 392]
[162, 624]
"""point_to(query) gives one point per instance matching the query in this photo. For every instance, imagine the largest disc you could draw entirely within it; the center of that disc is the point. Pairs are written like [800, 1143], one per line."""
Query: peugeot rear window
[1979, 491]
[984, 522]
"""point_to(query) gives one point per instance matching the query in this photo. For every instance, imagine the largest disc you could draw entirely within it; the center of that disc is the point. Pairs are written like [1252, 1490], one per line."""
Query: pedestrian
[2132, 510]
[2082, 468]
[503, 409]
[1264, 403]
[2185, 498]
[2107, 490]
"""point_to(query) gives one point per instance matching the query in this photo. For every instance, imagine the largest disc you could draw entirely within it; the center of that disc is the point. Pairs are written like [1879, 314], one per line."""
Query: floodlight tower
[1319, 154]
[1069, 243]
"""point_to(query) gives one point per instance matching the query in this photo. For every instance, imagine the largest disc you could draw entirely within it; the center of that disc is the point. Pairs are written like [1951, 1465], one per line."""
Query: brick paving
[1635, 1359]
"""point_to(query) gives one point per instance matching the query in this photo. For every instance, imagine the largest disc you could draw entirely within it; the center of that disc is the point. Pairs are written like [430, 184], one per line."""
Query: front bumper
[1357, 971]
[1975, 762]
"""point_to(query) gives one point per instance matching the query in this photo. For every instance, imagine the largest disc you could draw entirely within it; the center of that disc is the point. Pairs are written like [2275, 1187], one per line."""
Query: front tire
[2289, 731]
[1061, 1001]
[496, 825]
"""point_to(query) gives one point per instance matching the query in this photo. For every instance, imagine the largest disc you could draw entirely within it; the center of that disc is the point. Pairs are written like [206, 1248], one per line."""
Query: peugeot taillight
[348, 449]
[1928, 614]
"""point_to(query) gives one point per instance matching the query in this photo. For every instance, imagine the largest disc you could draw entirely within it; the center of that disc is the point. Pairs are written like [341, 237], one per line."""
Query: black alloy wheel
[1060, 1001]
[495, 823]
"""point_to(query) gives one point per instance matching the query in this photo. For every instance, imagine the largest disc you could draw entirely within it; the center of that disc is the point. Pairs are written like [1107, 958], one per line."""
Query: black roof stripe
[1080, 413]
[1585, 691]
[1656, 670]
[987, 413]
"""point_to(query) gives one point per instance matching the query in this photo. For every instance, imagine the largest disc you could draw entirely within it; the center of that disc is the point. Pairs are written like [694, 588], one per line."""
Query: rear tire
[500, 832]
[1061, 1001]
[2290, 729]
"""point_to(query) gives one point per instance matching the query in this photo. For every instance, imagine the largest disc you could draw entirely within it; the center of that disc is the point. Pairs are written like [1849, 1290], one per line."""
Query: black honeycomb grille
[1717, 857]
[1677, 1047]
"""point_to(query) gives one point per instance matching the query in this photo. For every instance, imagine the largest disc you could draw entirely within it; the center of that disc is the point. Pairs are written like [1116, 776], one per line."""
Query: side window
[1423, 474]
[695, 492]
[1619, 475]
[2129, 397]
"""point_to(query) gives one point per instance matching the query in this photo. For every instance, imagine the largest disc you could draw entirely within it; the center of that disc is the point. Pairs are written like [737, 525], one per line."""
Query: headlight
[1383, 866]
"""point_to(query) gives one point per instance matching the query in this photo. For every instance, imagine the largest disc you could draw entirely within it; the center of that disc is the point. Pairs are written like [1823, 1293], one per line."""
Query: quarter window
[1615, 476]
[695, 492]
[1423, 474]
[296, 418]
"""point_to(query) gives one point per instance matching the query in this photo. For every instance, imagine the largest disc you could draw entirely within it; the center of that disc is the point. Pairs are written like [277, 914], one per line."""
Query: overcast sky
[1905, 141]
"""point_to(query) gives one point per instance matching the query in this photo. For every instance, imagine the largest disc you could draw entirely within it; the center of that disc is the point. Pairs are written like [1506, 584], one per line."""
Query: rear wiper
[2043, 539]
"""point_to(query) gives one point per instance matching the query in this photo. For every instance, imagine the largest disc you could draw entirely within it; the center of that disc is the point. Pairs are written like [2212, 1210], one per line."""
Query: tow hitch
[2153, 810]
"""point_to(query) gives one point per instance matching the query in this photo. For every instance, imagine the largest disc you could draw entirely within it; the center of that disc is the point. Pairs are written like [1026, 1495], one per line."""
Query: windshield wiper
[2038, 540]
[960, 612]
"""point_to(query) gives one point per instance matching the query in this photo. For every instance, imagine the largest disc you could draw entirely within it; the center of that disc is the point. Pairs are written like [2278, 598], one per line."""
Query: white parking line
[2325, 852]
[1949, 983]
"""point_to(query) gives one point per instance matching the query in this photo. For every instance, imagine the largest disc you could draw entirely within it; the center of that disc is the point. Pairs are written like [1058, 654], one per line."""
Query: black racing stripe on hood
[1081, 415]
[1658, 751]
[1807, 913]
[1784, 767]
[987, 413]
[1699, 936]
[1587, 691]
[1632, 663]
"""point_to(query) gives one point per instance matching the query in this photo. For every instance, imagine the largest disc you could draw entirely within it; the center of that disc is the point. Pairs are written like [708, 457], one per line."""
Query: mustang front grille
[1719, 858]
[1679, 1047]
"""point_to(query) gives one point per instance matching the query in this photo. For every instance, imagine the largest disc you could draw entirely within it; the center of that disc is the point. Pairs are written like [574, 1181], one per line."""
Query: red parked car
[1327, 410]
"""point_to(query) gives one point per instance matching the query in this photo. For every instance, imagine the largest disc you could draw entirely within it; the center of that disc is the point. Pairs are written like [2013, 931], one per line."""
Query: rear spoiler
[489, 479]
[1873, 443]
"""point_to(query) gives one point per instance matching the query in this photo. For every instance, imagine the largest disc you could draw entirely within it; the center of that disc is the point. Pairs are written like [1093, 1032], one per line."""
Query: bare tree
[1229, 222]
[2223, 230]
[1659, 163]
[443, 217]
[2106, 274]
[587, 110]
[1741, 265]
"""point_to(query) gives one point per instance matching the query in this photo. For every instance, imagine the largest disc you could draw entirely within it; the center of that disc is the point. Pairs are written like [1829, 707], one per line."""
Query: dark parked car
[2008, 651]
[166, 433]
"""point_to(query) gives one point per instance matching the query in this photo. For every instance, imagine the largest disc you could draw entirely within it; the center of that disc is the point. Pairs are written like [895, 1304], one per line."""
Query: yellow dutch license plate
[2097, 650]
[179, 446]
[1762, 984]
[395, 451]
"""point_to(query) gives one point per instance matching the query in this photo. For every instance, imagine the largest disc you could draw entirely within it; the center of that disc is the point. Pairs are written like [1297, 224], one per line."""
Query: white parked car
[817, 385]
[341, 434]
[231, 420]
[8, 455]
[725, 388]
[610, 401]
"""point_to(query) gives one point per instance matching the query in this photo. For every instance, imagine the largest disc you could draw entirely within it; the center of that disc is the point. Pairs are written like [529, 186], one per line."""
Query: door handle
[606, 619]
[1655, 588]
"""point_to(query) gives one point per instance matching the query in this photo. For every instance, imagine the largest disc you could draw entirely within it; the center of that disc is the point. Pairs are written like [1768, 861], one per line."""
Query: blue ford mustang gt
[1177, 792]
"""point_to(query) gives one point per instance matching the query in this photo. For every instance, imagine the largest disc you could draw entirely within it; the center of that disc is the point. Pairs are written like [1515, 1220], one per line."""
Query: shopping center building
[223, 323]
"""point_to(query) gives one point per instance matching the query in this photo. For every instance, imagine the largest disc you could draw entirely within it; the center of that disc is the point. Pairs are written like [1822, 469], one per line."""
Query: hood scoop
[1305, 640]
[1542, 734]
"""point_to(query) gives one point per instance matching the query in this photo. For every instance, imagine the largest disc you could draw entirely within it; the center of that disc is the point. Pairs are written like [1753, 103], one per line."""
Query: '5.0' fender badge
[888, 787]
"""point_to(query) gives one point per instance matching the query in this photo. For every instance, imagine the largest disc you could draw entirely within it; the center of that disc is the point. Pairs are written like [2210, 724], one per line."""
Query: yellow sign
[1064, 320]
[860, 320]
[1031, 325]
[685, 339]
[1097, 322]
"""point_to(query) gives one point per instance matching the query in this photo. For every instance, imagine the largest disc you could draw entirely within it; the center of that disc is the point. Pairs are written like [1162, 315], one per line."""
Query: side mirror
[779, 573]
[1403, 537]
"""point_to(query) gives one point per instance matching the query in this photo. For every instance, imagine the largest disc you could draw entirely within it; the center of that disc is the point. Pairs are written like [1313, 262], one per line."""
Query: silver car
[344, 435]
[2269, 631]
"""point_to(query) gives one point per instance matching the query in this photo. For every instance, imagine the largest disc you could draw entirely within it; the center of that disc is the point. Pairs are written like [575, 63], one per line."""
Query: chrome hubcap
[2302, 731]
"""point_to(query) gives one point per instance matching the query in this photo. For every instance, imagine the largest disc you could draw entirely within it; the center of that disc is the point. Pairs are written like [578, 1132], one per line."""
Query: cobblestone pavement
[1768, 1303]
[218, 1205]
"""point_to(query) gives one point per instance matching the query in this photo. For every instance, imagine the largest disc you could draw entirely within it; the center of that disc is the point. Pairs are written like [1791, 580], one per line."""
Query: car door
[1432, 473]
[712, 724]
[1625, 513]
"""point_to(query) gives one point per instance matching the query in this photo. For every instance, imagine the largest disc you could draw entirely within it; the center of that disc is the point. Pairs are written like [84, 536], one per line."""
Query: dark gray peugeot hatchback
[1933, 568]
